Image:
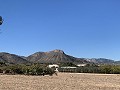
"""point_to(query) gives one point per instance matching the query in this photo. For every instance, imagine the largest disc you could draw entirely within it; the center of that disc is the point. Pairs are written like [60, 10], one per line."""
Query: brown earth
[64, 81]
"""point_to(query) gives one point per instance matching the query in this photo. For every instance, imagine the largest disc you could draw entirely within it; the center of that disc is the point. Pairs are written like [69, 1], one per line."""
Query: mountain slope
[12, 58]
[55, 56]
[101, 61]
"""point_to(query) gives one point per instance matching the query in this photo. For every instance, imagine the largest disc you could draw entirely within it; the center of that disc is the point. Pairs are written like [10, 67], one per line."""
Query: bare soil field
[64, 81]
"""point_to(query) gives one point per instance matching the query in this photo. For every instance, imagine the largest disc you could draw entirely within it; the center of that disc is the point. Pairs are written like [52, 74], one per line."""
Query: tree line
[43, 69]
[33, 69]
[93, 68]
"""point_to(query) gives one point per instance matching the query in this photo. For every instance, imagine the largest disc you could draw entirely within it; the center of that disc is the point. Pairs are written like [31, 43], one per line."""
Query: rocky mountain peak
[59, 51]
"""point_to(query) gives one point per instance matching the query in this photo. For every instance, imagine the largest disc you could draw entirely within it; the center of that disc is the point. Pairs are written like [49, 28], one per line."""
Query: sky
[81, 28]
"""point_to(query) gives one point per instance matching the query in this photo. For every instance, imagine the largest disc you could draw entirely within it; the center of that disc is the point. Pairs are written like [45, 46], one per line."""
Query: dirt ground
[64, 81]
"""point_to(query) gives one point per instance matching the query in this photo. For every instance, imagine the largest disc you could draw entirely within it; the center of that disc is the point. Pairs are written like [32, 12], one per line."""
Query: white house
[81, 65]
[69, 67]
[54, 65]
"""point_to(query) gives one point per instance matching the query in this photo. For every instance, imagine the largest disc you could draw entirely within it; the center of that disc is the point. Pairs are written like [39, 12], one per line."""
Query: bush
[35, 69]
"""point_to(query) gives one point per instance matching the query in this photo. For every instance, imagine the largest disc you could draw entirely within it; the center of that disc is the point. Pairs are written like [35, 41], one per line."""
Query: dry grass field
[64, 81]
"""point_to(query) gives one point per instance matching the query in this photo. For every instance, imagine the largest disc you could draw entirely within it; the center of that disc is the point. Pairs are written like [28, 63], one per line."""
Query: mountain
[101, 61]
[55, 56]
[12, 58]
[117, 62]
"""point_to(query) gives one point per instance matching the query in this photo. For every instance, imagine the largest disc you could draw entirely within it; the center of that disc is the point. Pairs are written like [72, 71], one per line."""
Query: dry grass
[64, 81]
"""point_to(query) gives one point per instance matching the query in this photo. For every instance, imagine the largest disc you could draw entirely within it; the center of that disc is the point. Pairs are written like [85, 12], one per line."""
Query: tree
[1, 20]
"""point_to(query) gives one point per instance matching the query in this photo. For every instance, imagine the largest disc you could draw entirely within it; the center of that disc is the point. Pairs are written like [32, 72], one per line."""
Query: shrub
[34, 69]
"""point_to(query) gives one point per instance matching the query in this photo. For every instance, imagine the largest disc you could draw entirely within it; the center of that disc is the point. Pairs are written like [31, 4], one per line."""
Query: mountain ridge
[54, 56]
[12, 58]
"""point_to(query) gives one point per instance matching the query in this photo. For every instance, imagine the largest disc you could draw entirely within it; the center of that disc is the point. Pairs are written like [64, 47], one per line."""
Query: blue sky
[82, 28]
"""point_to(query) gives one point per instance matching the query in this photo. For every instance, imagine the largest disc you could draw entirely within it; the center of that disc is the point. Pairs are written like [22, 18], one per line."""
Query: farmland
[64, 81]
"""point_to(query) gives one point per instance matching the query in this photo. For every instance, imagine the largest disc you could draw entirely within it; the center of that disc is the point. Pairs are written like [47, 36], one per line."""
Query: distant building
[54, 66]
[68, 67]
[81, 65]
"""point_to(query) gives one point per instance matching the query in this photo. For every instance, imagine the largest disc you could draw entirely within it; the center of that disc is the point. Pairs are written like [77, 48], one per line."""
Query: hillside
[102, 61]
[55, 56]
[12, 58]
